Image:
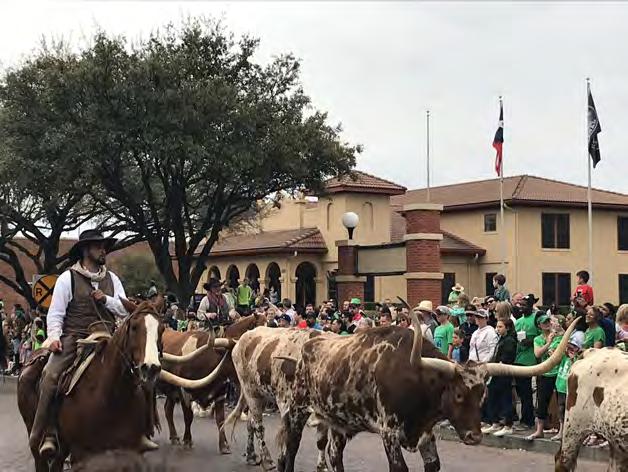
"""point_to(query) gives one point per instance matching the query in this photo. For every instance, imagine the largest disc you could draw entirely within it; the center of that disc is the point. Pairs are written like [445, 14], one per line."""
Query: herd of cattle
[387, 381]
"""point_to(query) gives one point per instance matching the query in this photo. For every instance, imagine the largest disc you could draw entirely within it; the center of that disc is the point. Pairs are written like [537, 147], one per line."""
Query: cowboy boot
[46, 445]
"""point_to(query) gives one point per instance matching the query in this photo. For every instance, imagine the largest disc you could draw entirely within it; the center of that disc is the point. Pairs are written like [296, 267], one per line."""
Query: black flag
[594, 129]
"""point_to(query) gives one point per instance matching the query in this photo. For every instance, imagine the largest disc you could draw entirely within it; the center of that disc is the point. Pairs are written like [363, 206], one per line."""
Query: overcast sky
[376, 67]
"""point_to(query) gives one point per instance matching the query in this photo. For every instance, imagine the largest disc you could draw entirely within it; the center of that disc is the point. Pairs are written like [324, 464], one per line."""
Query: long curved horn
[222, 343]
[446, 367]
[495, 369]
[193, 384]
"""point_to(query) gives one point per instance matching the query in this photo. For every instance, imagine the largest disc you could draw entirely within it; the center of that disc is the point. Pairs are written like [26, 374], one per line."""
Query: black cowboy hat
[90, 236]
[211, 283]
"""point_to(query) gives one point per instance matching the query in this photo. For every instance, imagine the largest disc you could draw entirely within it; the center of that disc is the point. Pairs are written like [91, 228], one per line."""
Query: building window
[556, 288]
[490, 222]
[488, 283]
[622, 233]
[623, 288]
[555, 230]
[449, 280]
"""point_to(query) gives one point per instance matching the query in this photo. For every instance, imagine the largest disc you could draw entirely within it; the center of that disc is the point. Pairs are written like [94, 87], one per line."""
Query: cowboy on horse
[213, 311]
[85, 294]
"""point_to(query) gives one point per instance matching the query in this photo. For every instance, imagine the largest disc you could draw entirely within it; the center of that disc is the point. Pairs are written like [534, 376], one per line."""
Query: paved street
[364, 453]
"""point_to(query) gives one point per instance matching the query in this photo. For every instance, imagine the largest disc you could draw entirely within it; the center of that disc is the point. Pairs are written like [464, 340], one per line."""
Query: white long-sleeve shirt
[483, 343]
[62, 296]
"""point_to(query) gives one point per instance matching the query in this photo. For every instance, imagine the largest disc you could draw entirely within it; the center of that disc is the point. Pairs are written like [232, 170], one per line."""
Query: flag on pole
[498, 141]
[594, 129]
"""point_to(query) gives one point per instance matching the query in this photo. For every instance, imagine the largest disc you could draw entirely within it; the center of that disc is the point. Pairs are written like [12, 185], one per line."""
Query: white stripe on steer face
[151, 353]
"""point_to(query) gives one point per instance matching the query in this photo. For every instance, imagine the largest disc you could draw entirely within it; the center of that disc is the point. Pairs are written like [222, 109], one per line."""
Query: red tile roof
[518, 190]
[307, 240]
[359, 181]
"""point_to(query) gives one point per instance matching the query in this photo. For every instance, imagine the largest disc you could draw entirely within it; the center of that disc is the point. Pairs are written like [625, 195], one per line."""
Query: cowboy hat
[87, 237]
[425, 305]
[458, 288]
[211, 283]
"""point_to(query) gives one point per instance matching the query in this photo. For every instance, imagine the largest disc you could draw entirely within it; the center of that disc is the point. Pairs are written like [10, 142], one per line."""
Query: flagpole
[501, 205]
[428, 154]
[589, 206]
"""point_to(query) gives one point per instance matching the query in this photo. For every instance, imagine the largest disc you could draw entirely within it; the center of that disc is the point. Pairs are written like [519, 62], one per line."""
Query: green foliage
[136, 270]
[173, 137]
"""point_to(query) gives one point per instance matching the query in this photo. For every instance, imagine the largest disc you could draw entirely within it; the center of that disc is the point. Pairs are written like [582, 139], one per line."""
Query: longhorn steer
[258, 360]
[181, 344]
[597, 402]
[385, 381]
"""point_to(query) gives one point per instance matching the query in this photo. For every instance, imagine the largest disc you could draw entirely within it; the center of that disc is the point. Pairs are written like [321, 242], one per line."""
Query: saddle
[85, 352]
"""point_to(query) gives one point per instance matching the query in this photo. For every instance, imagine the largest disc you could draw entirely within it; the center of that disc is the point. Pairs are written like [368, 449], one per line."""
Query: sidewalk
[517, 441]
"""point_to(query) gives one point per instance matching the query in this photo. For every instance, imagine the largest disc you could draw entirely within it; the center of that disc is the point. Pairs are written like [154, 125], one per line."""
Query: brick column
[348, 285]
[423, 262]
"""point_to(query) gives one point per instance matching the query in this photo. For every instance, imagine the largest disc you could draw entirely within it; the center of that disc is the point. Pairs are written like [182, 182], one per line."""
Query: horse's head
[139, 340]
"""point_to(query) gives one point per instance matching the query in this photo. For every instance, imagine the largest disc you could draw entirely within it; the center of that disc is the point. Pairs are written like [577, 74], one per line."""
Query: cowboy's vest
[81, 311]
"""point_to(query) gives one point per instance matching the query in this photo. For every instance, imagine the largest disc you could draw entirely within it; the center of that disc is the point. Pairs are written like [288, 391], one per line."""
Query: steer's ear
[128, 305]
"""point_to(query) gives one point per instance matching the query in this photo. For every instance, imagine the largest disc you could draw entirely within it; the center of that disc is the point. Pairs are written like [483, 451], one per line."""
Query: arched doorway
[273, 282]
[252, 275]
[306, 283]
[214, 273]
[233, 275]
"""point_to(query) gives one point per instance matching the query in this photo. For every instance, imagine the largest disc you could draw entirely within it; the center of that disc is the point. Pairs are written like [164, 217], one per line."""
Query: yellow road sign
[42, 290]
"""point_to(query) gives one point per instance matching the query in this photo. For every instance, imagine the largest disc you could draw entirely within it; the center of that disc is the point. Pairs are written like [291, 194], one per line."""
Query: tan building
[295, 249]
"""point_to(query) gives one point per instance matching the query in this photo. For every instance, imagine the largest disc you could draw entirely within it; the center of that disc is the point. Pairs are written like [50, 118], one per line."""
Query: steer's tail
[233, 417]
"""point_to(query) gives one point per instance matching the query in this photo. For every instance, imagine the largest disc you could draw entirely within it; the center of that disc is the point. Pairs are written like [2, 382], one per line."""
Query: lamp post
[350, 220]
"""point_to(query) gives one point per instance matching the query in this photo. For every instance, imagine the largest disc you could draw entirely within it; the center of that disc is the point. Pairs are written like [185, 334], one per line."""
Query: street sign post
[43, 286]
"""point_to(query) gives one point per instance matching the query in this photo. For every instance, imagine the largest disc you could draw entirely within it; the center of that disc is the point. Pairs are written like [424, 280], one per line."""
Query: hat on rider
[90, 236]
[212, 283]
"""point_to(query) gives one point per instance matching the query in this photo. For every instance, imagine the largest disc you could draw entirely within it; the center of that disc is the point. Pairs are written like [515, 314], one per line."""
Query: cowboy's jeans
[58, 362]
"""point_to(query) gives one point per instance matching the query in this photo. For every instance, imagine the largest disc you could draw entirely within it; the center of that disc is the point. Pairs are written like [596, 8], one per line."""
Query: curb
[542, 446]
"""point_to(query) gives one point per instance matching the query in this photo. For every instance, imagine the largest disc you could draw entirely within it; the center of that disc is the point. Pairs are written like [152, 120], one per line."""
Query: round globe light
[350, 220]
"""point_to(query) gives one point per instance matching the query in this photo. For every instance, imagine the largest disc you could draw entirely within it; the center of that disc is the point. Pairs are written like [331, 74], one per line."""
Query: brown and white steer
[258, 360]
[386, 381]
[183, 343]
[597, 402]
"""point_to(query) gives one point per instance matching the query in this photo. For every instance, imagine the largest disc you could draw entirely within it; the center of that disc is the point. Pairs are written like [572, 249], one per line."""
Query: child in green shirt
[576, 341]
[594, 335]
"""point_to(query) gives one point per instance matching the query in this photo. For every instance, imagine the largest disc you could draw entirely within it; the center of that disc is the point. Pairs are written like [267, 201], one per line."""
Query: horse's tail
[233, 417]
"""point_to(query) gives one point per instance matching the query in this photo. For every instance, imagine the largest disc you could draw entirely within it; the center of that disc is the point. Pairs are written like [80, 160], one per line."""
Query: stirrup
[48, 447]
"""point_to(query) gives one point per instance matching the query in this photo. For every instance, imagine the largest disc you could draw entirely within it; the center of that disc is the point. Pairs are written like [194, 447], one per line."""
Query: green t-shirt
[525, 355]
[453, 297]
[460, 313]
[563, 373]
[37, 344]
[244, 295]
[539, 341]
[591, 336]
[443, 337]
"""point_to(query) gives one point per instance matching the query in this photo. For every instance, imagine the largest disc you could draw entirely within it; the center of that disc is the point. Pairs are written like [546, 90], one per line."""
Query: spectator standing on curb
[444, 332]
[484, 339]
[594, 335]
[576, 341]
[459, 353]
[544, 344]
[526, 330]
[500, 387]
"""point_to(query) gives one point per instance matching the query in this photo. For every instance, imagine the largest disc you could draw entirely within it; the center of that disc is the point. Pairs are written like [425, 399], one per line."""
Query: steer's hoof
[322, 468]
[188, 444]
[175, 441]
[267, 466]
[225, 449]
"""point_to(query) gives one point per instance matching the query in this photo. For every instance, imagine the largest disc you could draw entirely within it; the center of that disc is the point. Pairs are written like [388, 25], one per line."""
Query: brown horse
[180, 344]
[109, 407]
